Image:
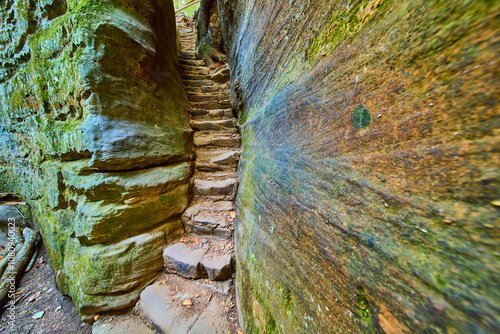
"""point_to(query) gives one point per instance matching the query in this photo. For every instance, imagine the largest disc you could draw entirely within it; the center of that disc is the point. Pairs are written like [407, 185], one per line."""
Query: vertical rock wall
[370, 168]
[94, 134]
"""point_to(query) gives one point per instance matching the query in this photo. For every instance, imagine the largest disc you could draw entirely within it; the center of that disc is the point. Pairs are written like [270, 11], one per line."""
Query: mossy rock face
[349, 225]
[115, 269]
[94, 133]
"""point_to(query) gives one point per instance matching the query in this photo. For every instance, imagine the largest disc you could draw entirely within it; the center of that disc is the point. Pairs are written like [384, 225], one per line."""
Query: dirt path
[60, 315]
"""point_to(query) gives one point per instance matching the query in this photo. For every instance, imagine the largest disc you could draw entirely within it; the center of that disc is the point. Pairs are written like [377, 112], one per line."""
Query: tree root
[16, 267]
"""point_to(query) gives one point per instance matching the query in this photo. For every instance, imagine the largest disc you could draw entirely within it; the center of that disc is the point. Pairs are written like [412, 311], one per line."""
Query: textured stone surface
[198, 257]
[369, 164]
[94, 134]
[218, 267]
[162, 304]
[130, 324]
[180, 258]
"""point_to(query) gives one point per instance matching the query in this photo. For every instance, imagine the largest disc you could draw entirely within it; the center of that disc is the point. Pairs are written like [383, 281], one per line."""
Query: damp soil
[37, 292]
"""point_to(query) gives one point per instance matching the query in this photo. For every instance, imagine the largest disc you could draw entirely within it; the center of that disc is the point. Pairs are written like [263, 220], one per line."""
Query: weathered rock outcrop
[369, 171]
[94, 134]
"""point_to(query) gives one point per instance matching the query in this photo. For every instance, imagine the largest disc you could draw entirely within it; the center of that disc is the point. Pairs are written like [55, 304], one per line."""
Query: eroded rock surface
[369, 168]
[95, 135]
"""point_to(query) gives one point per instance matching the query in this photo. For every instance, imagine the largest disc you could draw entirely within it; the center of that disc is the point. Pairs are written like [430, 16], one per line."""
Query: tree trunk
[209, 44]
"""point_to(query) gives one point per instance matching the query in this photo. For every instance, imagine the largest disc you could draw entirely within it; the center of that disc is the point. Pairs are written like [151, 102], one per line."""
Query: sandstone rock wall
[94, 134]
[370, 164]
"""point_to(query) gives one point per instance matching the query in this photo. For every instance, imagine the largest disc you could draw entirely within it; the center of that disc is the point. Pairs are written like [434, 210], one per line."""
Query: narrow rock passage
[196, 292]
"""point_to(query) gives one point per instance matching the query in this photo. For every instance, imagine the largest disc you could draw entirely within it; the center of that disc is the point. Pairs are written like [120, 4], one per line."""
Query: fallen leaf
[232, 214]
[240, 331]
[33, 297]
[96, 317]
[211, 324]
[495, 203]
[172, 313]
[42, 260]
[38, 315]
[58, 308]
[163, 282]
[187, 302]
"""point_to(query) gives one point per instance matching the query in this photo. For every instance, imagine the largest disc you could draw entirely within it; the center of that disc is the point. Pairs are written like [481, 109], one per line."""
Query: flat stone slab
[178, 306]
[130, 324]
[218, 267]
[215, 188]
[212, 125]
[180, 258]
[196, 256]
[227, 158]
[210, 218]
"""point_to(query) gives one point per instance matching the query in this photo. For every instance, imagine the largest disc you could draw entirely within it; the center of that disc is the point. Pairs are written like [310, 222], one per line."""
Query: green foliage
[188, 11]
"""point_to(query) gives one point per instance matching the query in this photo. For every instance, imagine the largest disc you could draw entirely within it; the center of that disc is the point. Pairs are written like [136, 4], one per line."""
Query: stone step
[210, 89]
[223, 96]
[217, 175]
[192, 62]
[188, 76]
[210, 218]
[196, 97]
[216, 140]
[209, 205]
[209, 161]
[188, 55]
[226, 187]
[224, 103]
[205, 223]
[212, 114]
[198, 83]
[176, 305]
[119, 324]
[215, 125]
[194, 69]
[190, 90]
[230, 158]
[208, 105]
[197, 257]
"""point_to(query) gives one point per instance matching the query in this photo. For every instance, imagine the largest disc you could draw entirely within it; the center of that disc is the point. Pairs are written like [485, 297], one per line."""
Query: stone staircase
[196, 293]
